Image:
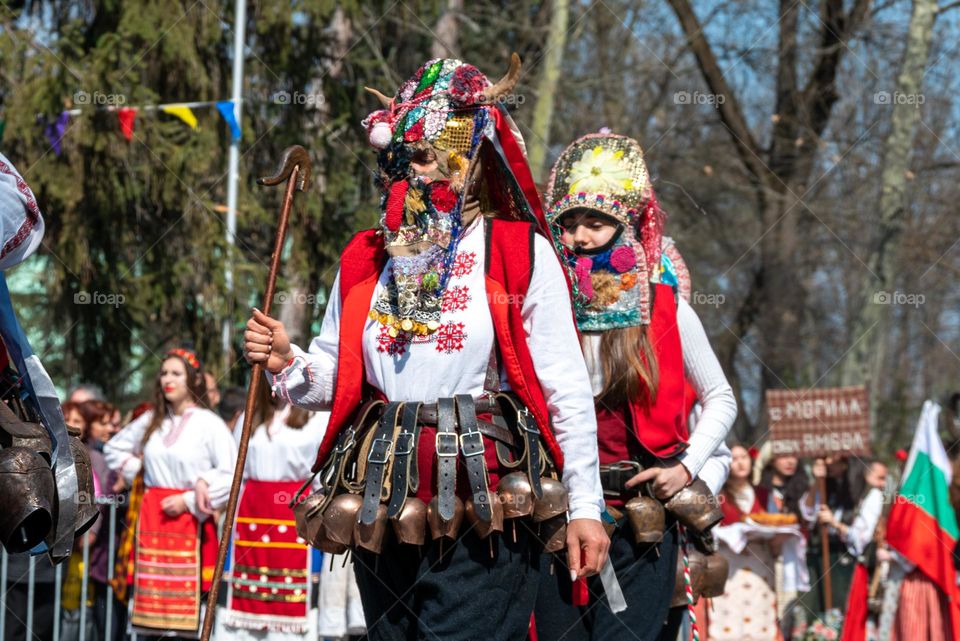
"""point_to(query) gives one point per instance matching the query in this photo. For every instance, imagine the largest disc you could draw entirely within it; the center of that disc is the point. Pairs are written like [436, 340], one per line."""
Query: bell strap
[472, 448]
[405, 472]
[529, 434]
[447, 450]
[343, 452]
[377, 457]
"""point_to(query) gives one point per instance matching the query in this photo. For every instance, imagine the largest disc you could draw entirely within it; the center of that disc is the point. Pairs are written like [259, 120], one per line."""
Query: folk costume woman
[649, 358]
[271, 588]
[457, 384]
[187, 456]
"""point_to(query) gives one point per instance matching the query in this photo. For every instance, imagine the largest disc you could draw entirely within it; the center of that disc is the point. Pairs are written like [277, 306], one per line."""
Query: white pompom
[380, 135]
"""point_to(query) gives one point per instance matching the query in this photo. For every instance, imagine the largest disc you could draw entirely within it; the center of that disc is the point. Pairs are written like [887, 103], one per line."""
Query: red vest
[509, 264]
[661, 427]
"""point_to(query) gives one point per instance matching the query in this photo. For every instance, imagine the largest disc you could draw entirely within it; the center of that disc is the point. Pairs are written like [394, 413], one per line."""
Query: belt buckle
[624, 466]
[379, 451]
[404, 444]
[527, 421]
[477, 446]
[347, 441]
[447, 444]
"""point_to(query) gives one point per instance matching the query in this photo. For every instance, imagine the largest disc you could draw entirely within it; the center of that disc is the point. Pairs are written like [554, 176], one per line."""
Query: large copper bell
[440, 528]
[87, 511]
[483, 528]
[553, 533]
[340, 517]
[370, 537]
[410, 525]
[715, 575]
[552, 502]
[27, 497]
[696, 507]
[516, 495]
[304, 513]
[698, 567]
[320, 539]
[647, 519]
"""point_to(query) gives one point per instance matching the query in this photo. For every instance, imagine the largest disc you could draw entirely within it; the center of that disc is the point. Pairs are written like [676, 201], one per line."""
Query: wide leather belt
[428, 416]
[472, 448]
[614, 477]
[378, 459]
[405, 473]
[447, 445]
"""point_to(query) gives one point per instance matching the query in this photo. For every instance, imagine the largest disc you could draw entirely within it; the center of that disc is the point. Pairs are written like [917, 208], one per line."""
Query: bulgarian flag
[922, 525]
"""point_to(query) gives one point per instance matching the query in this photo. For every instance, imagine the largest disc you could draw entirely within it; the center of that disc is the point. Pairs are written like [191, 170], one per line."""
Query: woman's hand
[202, 493]
[265, 341]
[587, 546]
[173, 505]
[667, 479]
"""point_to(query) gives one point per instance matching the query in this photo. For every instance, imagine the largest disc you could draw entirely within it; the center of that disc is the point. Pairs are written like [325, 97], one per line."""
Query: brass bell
[340, 517]
[440, 528]
[323, 542]
[87, 512]
[303, 513]
[647, 519]
[715, 575]
[698, 567]
[516, 495]
[483, 528]
[410, 525]
[370, 537]
[553, 533]
[552, 502]
[696, 507]
[27, 499]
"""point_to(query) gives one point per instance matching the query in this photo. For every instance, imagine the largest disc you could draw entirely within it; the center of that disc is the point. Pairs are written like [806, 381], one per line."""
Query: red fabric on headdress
[393, 215]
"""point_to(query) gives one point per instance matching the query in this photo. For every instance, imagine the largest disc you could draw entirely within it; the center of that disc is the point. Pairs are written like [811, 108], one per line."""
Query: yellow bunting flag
[183, 113]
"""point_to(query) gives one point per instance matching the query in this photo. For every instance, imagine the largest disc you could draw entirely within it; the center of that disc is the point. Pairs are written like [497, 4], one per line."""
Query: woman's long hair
[267, 406]
[629, 366]
[196, 388]
[793, 487]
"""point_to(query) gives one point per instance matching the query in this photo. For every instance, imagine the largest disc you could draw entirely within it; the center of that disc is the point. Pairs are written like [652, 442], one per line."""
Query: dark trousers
[466, 594]
[15, 626]
[646, 573]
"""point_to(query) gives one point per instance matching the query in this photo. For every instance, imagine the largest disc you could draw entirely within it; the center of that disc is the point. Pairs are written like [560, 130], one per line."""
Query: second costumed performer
[462, 431]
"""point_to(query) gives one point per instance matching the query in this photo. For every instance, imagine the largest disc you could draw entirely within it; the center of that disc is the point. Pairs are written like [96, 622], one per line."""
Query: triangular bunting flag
[182, 112]
[127, 116]
[226, 110]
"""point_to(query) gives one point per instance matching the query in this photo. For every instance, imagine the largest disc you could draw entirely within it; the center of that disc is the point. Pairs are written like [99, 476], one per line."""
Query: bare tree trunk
[446, 44]
[298, 298]
[874, 311]
[547, 86]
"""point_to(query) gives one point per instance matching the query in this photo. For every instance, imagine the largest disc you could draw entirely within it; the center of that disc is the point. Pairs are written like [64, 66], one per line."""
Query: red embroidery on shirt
[450, 338]
[464, 263]
[455, 299]
[392, 345]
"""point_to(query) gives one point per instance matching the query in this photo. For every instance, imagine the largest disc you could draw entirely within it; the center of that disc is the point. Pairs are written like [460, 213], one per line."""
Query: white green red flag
[922, 525]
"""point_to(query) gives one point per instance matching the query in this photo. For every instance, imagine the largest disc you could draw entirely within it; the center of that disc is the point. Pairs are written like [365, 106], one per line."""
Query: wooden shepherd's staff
[295, 169]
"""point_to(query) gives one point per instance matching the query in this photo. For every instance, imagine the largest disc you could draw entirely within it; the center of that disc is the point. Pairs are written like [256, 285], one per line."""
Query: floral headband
[186, 355]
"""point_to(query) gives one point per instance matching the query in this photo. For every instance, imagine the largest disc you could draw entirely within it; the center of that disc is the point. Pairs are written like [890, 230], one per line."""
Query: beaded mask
[441, 137]
[605, 175]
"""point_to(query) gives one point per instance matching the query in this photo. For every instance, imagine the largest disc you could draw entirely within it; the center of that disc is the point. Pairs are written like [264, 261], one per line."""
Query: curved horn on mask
[386, 102]
[506, 84]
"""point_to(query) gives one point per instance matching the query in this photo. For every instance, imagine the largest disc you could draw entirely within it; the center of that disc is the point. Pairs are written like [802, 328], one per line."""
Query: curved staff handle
[295, 169]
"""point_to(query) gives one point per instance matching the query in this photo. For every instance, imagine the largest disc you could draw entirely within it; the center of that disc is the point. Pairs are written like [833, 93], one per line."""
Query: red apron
[270, 582]
[173, 564]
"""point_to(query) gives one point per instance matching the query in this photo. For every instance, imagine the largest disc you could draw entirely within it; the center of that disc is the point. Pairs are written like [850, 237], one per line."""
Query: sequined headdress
[443, 135]
[606, 174]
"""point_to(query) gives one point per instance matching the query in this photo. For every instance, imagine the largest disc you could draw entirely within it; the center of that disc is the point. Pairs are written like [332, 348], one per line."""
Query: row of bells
[28, 493]
[694, 507]
[337, 527]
